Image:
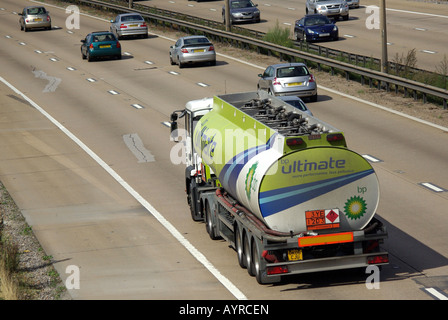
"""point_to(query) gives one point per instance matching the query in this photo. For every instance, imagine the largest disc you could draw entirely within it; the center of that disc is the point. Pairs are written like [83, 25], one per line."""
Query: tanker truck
[280, 186]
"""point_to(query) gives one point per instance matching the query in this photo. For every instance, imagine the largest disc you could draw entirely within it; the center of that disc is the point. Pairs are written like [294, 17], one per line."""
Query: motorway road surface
[123, 219]
[418, 25]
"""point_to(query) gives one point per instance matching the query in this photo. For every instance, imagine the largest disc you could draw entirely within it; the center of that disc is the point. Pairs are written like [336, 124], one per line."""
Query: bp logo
[250, 179]
[355, 207]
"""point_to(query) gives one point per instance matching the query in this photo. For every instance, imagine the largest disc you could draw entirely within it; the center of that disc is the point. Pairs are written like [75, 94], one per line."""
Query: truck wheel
[211, 230]
[239, 247]
[248, 256]
[256, 269]
[192, 202]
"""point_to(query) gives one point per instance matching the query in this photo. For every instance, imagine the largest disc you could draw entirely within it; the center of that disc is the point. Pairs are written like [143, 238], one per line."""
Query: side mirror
[173, 127]
[111, 21]
[260, 75]
[83, 41]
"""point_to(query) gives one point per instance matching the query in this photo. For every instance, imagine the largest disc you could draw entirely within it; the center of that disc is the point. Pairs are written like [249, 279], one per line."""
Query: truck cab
[194, 171]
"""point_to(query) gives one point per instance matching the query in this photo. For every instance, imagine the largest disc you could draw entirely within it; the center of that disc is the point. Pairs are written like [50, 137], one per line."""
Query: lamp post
[227, 15]
[384, 64]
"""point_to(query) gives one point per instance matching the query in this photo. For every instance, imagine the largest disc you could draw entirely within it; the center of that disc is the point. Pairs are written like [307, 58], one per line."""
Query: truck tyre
[256, 269]
[211, 230]
[239, 247]
[192, 202]
[248, 255]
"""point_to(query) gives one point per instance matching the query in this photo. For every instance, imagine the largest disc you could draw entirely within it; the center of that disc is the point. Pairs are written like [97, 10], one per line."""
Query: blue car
[100, 44]
[315, 27]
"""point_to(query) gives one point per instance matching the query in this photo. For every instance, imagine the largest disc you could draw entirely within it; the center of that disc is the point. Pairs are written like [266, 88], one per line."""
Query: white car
[330, 8]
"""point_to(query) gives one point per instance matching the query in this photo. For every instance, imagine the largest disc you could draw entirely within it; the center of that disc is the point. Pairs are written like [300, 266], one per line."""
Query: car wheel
[296, 36]
[25, 29]
[118, 56]
[83, 56]
[313, 98]
[181, 65]
[89, 57]
[171, 61]
[345, 18]
[213, 63]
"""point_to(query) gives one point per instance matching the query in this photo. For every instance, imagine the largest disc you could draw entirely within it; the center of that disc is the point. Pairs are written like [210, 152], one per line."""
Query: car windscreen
[316, 21]
[295, 71]
[241, 4]
[298, 104]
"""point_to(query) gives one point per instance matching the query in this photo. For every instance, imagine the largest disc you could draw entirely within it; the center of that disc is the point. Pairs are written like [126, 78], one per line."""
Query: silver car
[293, 79]
[353, 3]
[129, 24]
[192, 49]
[296, 102]
[33, 17]
[330, 8]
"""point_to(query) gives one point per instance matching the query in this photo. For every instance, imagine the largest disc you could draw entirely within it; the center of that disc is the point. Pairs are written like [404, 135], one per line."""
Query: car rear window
[196, 41]
[103, 37]
[131, 18]
[36, 11]
[292, 72]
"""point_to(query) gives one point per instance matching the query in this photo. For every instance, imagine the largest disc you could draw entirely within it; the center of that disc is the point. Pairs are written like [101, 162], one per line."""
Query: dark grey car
[242, 11]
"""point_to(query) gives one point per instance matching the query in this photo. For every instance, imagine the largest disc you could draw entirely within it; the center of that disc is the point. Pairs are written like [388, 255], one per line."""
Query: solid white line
[436, 294]
[418, 13]
[386, 109]
[197, 254]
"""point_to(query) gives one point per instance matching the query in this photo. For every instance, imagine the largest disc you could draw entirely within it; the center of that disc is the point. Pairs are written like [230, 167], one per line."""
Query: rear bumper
[105, 52]
[298, 93]
[35, 25]
[132, 32]
[194, 58]
[362, 252]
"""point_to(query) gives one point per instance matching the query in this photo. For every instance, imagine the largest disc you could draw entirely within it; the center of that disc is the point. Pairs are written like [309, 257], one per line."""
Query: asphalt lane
[410, 25]
[84, 217]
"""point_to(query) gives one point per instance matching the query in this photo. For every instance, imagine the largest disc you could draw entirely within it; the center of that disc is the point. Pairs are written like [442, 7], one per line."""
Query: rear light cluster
[335, 137]
[384, 258]
[291, 142]
[277, 270]
[311, 79]
[123, 26]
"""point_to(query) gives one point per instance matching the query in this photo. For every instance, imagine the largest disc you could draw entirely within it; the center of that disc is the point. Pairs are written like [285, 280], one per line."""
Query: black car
[315, 27]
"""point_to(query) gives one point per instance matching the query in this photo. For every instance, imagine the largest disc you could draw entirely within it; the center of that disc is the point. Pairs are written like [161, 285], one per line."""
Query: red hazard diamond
[332, 216]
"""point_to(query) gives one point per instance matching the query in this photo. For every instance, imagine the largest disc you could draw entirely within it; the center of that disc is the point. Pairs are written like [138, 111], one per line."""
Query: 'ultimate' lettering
[299, 166]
